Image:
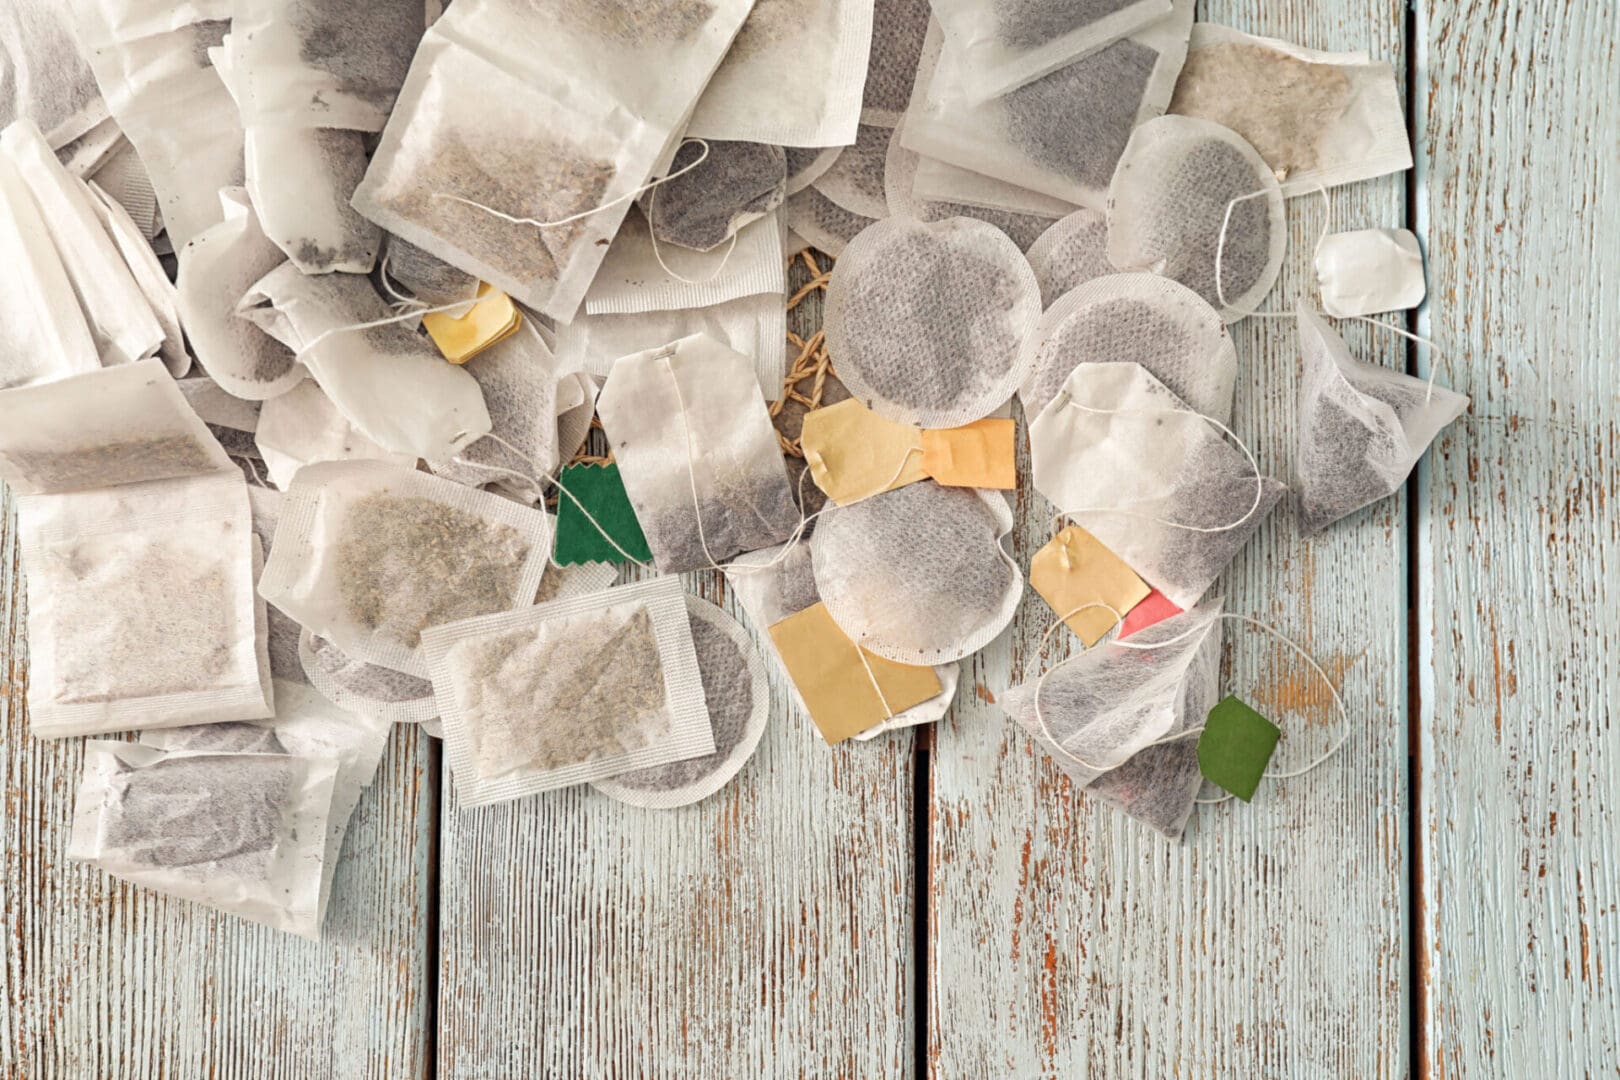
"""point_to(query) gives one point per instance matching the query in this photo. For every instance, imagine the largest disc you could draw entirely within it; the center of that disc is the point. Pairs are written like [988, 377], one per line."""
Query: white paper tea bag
[899, 28]
[1183, 184]
[150, 276]
[637, 277]
[1022, 226]
[94, 151]
[369, 555]
[697, 453]
[1318, 119]
[924, 321]
[919, 574]
[280, 633]
[855, 180]
[1149, 477]
[47, 80]
[302, 427]
[712, 189]
[301, 180]
[822, 223]
[1069, 254]
[1369, 271]
[569, 692]
[362, 688]
[43, 335]
[1362, 428]
[1134, 318]
[935, 181]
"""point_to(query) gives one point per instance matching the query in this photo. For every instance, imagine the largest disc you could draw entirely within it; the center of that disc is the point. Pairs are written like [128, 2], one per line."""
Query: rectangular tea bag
[1075, 569]
[47, 80]
[570, 691]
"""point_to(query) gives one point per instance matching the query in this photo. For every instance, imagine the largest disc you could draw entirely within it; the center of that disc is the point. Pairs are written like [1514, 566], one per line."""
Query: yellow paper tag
[854, 453]
[827, 670]
[979, 455]
[1074, 569]
[492, 318]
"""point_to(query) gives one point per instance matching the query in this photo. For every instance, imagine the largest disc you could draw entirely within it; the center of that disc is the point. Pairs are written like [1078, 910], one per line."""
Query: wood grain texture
[764, 932]
[1068, 940]
[1520, 617]
[103, 979]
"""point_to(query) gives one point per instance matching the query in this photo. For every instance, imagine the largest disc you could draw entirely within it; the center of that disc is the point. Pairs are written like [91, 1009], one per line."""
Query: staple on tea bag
[899, 28]
[1023, 227]
[713, 188]
[824, 224]
[43, 335]
[924, 320]
[1368, 271]
[738, 701]
[855, 180]
[1362, 428]
[47, 80]
[805, 166]
[362, 688]
[569, 692]
[150, 277]
[302, 427]
[1070, 253]
[637, 276]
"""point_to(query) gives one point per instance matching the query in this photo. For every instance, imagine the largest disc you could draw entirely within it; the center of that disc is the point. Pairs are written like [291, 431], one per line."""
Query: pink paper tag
[1156, 608]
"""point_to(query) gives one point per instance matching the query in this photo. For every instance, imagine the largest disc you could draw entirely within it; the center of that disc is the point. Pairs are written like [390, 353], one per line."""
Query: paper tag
[826, 668]
[491, 319]
[599, 489]
[1155, 609]
[1236, 747]
[1075, 569]
[977, 455]
[854, 453]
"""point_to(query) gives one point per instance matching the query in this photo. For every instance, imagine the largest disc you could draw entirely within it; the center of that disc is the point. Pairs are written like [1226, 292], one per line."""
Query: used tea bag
[637, 277]
[1369, 271]
[369, 555]
[924, 321]
[1069, 254]
[1134, 318]
[714, 188]
[568, 692]
[43, 335]
[823, 224]
[431, 280]
[824, 45]
[1023, 227]
[1180, 186]
[46, 79]
[899, 28]
[1149, 477]
[302, 427]
[1362, 428]
[697, 453]
[362, 688]
[919, 574]
[739, 703]
[1318, 119]
[855, 181]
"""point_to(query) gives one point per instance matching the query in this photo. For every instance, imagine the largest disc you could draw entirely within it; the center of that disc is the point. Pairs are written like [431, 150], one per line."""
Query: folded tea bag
[362, 688]
[569, 692]
[46, 79]
[824, 224]
[1003, 44]
[369, 555]
[43, 334]
[244, 833]
[429, 279]
[919, 574]
[924, 320]
[217, 268]
[1183, 185]
[855, 180]
[824, 45]
[1318, 119]
[697, 453]
[1150, 478]
[1134, 318]
[150, 277]
[1369, 271]
[637, 277]
[1362, 428]
[302, 427]
[739, 703]
[388, 380]
[301, 180]
[899, 28]
[1022, 227]
[1085, 584]
[805, 166]
[1070, 253]
[714, 188]
[935, 181]
[96, 150]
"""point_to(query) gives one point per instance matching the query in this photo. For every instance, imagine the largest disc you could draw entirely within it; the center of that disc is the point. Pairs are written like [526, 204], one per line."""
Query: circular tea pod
[368, 689]
[1070, 253]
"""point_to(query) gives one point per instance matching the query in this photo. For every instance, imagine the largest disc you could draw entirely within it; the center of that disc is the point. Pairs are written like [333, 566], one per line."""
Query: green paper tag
[601, 492]
[1236, 747]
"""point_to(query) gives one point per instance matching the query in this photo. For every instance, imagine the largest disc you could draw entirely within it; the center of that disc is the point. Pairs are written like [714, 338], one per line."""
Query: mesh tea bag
[1149, 477]
[369, 555]
[302, 427]
[1318, 119]
[1369, 271]
[362, 688]
[1182, 183]
[805, 166]
[43, 335]
[697, 452]
[430, 279]
[1134, 318]
[1022, 227]
[1362, 428]
[718, 190]
[568, 692]
[823, 44]
[924, 320]
[637, 277]
[739, 703]
[855, 180]
[823, 224]
[244, 833]
[46, 79]
[899, 28]
[1070, 253]
[918, 574]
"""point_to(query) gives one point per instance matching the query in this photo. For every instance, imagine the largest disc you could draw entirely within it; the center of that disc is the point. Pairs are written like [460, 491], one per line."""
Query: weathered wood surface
[1519, 619]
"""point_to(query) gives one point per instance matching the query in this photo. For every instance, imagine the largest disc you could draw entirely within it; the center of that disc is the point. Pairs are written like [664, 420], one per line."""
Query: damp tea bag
[714, 188]
[1369, 271]
[1069, 254]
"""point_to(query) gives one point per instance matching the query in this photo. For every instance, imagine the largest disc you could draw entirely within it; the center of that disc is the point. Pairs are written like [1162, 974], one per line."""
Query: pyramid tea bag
[899, 28]
[43, 335]
[855, 180]
[1134, 318]
[636, 277]
[1179, 183]
[1150, 478]
[362, 688]
[47, 80]
[302, 427]
[1369, 271]
[824, 224]
[370, 555]
[739, 703]
[919, 574]
[907, 199]
[924, 320]
[721, 187]
[1362, 428]
[1318, 119]
[697, 453]
[568, 692]
[1069, 254]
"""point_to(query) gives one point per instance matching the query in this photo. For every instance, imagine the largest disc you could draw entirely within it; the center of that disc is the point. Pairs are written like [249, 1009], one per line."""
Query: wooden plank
[105, 979]
[1519, 607]
[763, 932]
[1067, 940]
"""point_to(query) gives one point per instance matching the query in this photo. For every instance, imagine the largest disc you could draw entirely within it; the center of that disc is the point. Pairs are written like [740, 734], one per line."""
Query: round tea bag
[702, 208]
[855, 180]
[1168, 203]
[367, 689]
[739, 702]
[1070, 253]
[924, 320]
[1134, 318]
[918, 574]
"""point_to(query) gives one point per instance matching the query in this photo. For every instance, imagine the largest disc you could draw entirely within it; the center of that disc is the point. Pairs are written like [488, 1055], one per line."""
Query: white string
[652, 234]
[407, 317]
[1220, 247]
[1434, 368]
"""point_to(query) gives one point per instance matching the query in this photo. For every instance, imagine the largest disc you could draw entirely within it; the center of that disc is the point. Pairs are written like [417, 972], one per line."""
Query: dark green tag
[1236, 747]
[601, 492]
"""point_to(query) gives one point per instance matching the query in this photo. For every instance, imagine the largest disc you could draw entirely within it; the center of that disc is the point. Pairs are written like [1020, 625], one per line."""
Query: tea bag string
[402, 303]
[408, 316]
[1220, 246]
[571, 218]
[652, 234]
[1434, 368]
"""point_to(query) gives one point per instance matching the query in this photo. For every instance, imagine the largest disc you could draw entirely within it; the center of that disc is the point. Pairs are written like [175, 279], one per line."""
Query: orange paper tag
[1075, 569]
[826, 668]
[978, 455]
[854, 453]
[491, 319]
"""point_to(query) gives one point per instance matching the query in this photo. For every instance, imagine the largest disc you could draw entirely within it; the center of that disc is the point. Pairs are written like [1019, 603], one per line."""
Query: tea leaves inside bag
[209, 814]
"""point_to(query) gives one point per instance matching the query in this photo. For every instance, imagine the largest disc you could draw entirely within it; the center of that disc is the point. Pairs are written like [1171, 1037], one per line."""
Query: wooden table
[1439, 899]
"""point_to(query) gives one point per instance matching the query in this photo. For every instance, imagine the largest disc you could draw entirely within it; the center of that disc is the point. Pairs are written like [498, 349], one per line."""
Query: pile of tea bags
[313, 306]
